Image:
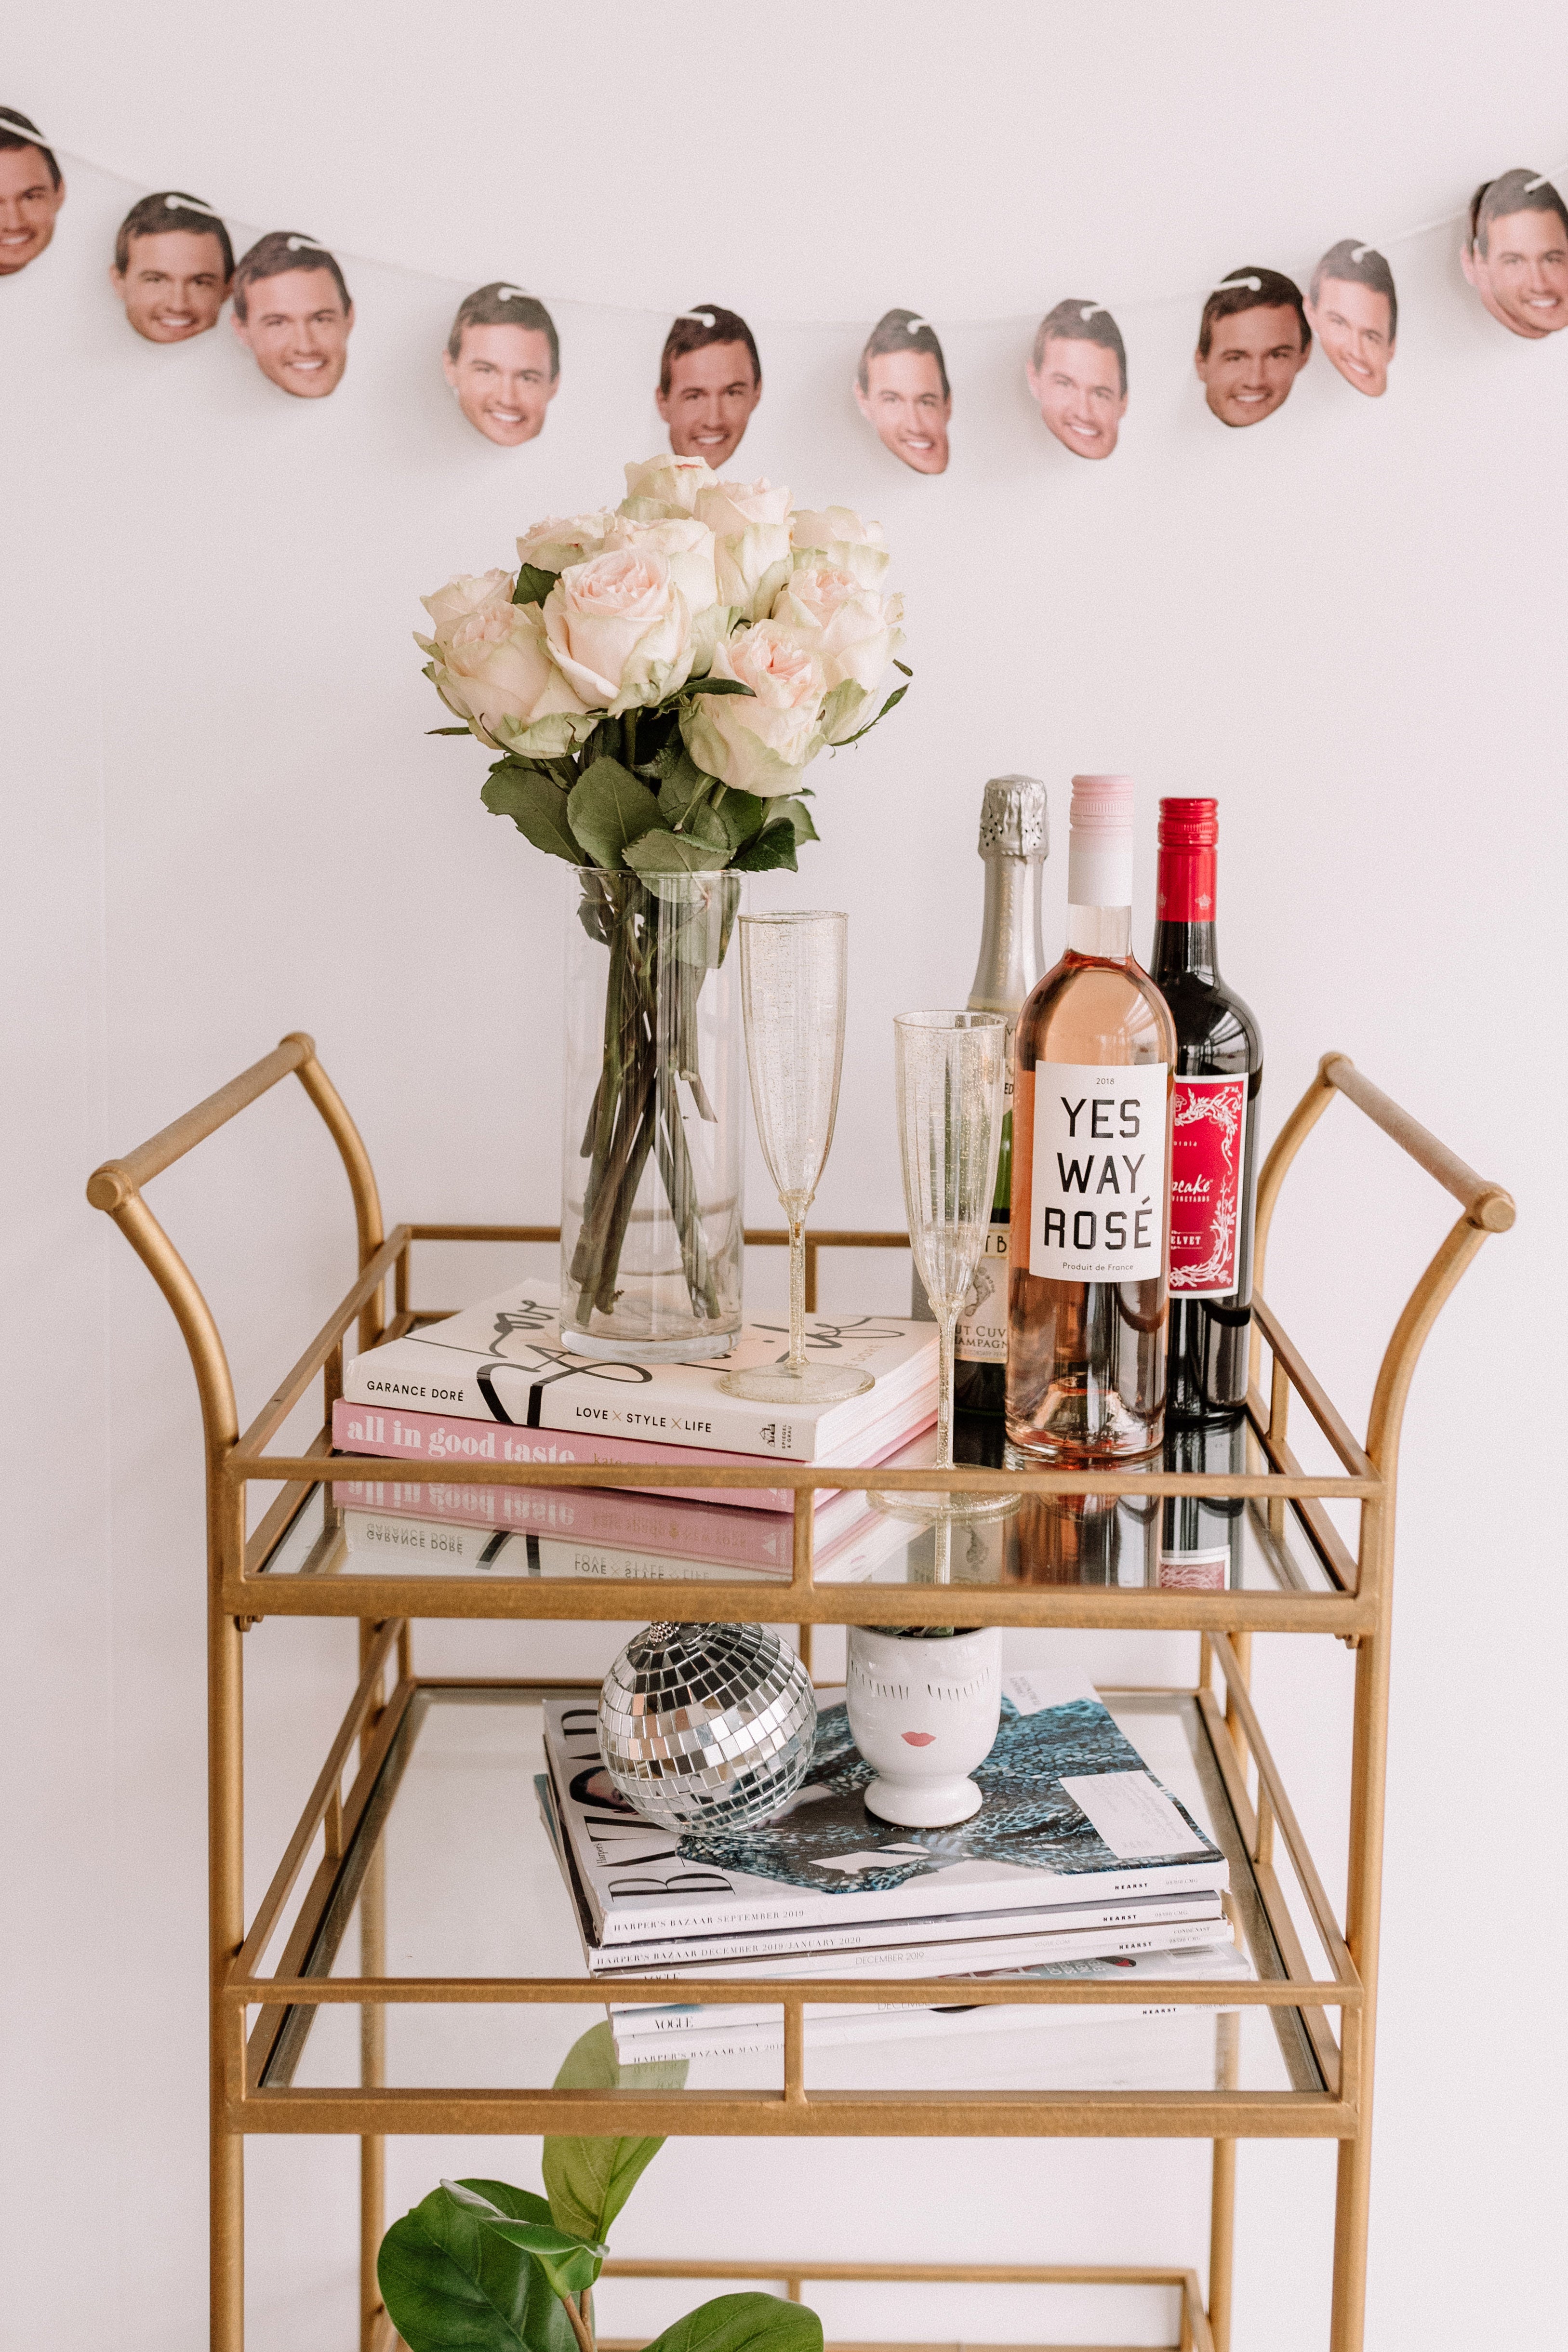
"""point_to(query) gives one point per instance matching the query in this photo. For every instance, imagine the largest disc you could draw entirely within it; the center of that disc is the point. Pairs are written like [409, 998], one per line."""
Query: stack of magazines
[1080, 1862]
[496, 1384]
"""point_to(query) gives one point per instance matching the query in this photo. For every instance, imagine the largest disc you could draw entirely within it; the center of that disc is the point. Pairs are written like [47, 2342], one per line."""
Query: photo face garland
[173, 268]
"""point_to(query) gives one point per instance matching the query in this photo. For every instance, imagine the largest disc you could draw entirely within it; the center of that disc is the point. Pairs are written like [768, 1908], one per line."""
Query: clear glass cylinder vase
[652, 1213]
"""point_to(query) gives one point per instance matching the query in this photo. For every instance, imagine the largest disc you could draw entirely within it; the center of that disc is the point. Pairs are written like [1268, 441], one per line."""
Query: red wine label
[980, 1333]
[1195, 1571]
[1097, 1194]
[1207, 1129]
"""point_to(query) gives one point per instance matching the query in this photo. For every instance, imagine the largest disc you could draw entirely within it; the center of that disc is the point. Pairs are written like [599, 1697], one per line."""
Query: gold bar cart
[259, 2018]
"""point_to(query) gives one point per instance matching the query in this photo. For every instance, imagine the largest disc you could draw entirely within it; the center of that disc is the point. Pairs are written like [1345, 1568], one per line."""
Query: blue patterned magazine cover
[1070, 1812]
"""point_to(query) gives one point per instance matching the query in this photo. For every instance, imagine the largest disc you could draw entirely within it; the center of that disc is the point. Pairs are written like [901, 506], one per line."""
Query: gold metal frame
[1355, 1605]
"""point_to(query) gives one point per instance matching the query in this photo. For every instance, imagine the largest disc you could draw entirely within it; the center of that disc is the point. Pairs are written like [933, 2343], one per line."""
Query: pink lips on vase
[917, 1738]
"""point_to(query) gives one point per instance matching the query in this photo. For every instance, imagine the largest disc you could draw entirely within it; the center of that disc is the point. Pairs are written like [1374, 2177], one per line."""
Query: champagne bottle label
[1206, 1138]
[1097, 1189]
[981, 1332]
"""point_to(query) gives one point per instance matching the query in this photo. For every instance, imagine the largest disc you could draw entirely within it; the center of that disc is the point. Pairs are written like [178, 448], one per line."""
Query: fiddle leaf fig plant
[491, 2268]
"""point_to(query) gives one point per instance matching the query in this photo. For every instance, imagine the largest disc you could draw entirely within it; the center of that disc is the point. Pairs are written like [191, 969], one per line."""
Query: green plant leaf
[537, 806]
[774, 846]
[451, 2284]
[682, 782]
[448, 730]
[532, 584]
[676, 852]
[569, 2263]
[712, 685]
[589, 2180]
[788, 810]
[743, 2322]
[608, 808]
[707, 825]
[903, 669]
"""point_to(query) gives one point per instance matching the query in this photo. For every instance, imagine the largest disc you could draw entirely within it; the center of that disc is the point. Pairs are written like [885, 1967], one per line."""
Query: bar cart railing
[253, 2012]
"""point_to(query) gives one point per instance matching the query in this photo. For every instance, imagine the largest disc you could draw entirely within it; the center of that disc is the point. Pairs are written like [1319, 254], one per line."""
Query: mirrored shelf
[513, 1538]
[450, 1872]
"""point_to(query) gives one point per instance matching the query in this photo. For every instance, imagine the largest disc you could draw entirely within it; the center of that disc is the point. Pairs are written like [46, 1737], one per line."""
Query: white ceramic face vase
[925, 1714]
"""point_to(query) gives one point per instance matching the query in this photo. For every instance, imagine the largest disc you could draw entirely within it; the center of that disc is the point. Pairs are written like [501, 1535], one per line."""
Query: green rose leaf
[532, 584]
[678, 853]
[743, 2322]
[589, 2180]
[682, 782]
[607, 809]
[537, 806]
[449, 2281]
[743, 816]
[903, 669]
[448, 730]
[774, 846]
[893, 698]
[788, 810]
[708, 827]
[715, 686]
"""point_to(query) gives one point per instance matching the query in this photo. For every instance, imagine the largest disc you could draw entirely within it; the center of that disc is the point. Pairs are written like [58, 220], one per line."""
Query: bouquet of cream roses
[656, 682]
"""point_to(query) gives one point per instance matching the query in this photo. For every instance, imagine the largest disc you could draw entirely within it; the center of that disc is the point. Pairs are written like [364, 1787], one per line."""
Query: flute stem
[797, 1293]
[947, 1328]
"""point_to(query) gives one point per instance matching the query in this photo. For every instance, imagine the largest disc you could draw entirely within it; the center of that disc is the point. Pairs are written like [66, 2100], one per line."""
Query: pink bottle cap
[1103, 803]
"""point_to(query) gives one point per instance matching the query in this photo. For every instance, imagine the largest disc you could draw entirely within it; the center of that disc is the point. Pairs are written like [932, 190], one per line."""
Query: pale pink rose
[759, 743]
[852, 630]
[551, 545]
[839, 537]
[665, 486]
[620, 629]
[687, 546]
[466, 593]
[492, 667]
[750, 522]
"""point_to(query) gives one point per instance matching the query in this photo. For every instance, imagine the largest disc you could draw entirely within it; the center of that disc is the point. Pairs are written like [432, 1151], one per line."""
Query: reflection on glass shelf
[452, 1874]
[1176, 1543]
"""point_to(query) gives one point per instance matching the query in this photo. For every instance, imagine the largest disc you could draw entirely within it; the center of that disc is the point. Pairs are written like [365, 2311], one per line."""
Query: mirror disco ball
[707, 1725]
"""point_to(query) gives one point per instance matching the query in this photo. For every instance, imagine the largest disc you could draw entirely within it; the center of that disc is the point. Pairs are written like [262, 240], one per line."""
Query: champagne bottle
[1094, 1052]
[1214, 1166]
[1013, 844]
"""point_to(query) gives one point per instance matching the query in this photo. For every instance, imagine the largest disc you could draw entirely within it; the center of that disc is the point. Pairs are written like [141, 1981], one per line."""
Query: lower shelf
[447, 1873]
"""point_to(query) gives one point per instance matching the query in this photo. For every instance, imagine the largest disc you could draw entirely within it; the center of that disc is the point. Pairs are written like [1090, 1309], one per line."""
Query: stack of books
[1078, 1862]
[496, 1384]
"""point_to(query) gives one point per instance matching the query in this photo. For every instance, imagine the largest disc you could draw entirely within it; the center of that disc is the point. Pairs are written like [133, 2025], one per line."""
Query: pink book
[444, 1442]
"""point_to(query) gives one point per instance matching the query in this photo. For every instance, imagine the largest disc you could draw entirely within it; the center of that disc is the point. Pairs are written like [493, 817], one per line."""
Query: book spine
[919, 1901]
[925, 1949]
[715, 1422]
[896, 2025]
[428, 1437]
[626, 1522]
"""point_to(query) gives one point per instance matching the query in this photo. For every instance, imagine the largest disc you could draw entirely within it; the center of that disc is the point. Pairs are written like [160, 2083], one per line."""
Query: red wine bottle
[1213, 1137]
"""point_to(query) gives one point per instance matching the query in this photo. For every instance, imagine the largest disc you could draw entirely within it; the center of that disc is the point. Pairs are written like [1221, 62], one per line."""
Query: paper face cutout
[901, 390]
[709, 381]
[1078, 377]
[1253, 342]
[1353, 311]
[173, 265]
[292, 312]
[32, 190]
[502, 362]
[1516, 254]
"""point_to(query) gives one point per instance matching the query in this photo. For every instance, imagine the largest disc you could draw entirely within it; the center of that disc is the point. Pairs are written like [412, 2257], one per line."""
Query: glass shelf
[452, 1851]
[515, 1534]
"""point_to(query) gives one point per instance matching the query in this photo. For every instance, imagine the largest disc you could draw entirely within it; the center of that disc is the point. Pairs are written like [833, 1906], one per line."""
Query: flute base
[813, 1384]
[936, 1510]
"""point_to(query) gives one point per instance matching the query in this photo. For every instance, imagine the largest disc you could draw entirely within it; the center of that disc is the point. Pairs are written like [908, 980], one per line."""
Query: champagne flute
[793, 978]
[949, 1068]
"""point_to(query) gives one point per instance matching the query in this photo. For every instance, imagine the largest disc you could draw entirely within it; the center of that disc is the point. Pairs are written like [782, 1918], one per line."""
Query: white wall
[223, 820]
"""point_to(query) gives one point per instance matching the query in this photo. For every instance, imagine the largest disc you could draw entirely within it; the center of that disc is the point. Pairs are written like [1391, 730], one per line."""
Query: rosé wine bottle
[1092, 1166]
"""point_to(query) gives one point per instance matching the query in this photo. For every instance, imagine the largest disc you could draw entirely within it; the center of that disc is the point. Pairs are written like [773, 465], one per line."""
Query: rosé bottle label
[1195, 1571]
[1097, 1204]
[1207, 1129]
